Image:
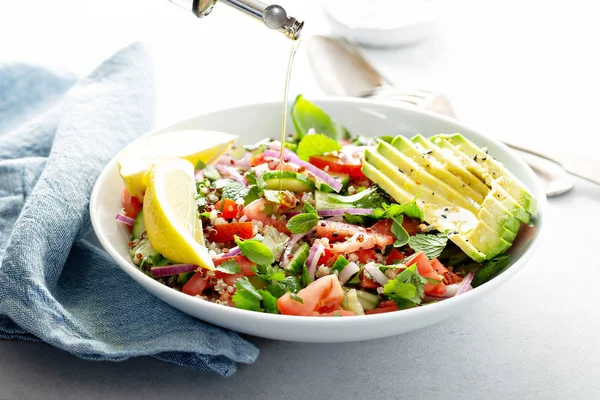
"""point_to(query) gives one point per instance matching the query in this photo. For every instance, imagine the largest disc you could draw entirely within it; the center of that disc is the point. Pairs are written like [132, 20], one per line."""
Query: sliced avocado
[425, 159]
[429, 182]
[496, 225]
[509, 203]
[374, 174]
[484, 239]
[501, 213]
[468, 248]
[495, 170]
[452, 164]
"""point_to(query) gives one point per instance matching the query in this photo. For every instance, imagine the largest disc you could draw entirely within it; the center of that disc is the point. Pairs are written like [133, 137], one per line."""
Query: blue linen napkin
[56, 135]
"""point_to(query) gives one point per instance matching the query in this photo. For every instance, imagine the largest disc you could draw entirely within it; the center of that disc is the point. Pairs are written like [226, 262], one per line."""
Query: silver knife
[342, 70]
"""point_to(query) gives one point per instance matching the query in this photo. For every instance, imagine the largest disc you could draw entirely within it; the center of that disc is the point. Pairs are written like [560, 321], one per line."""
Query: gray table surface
[523, 71]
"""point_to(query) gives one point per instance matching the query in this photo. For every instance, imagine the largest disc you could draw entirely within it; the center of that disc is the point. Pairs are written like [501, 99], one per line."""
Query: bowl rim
[447, 305]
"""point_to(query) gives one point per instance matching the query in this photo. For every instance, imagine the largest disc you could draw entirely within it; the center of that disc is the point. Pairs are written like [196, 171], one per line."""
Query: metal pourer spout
[273, 16]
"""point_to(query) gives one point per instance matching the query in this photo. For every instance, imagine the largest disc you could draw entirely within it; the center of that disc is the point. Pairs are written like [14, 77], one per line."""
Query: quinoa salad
[332, 223]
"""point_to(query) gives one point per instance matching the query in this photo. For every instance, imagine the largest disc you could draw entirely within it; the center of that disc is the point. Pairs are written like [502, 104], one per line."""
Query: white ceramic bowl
[256, 121]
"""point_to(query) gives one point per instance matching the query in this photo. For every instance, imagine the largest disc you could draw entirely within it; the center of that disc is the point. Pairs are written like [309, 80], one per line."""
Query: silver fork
[365, 75]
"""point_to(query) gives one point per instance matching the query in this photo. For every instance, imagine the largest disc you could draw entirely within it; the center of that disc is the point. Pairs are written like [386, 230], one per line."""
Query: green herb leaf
[290, 284]
[200, 165]
[274, 196]
[251, 176]
[246, 296]
[269, 302]
[368, 198]
[230, 267]
[490, 269]
[407, 290]
[340, 264]
[252, 194]
[316, 145]
[205, 214]
[306, 116]
[297, 298]
[304, 222]
[269, 273]
[274, 240]
[234, 190]
[255, 251]
[431, 244]
[399, 232]
[410, 209]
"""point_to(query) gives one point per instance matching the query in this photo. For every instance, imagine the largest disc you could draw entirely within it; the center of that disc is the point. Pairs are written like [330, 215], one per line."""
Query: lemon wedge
[136, 160]
[170, 213]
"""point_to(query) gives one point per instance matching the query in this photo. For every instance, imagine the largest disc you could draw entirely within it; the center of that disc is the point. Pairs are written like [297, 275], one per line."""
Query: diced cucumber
[144, 253]
[351, 302]
[286, 180]
[299, 258]
[182, 279]
[342, 178]
[340, 264]
[369, 301]
[138, 226]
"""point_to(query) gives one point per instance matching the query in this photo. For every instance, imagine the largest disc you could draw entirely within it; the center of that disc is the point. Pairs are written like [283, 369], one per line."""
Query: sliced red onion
[319, 173]
[232, 173]
[227, 160]
[172, 269]
[260, 169]
[376, 273]
[285, 259]
[199, 177]
[286, 152]
[347, 272]
[465, 285]
[342, 211]
[234, 251]
[125, 219]
[315, 253]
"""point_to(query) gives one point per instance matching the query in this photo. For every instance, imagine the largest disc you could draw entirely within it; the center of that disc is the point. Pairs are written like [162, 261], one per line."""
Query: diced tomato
[366, 282]
[256, 211]
[411, 225]
[337, 165]
[435, 289]
[196, 284]
[383, 227]
[228, 208]
[395, 255]
[365, 255]
[339, 231]
[328, 258]
[131, 204]
[200, 282]
[224, 233]
[245, 264]
[383, 307]
[426, 270]
[257, 160]
[449, 276]
[324, 295]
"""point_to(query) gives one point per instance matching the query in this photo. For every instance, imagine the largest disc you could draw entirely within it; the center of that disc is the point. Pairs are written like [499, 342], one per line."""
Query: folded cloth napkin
[56, 135]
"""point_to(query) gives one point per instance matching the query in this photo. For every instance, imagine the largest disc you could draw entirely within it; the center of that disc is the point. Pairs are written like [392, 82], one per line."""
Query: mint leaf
[230, 267]
[290, 284]
[368, 198]
[234, 190]
[252, 194]
[306, 115]
[490, 269]
[407, 290]
[304, 222]
[399, 232]
[431, 244]
[275, 240]
[246, 296]
[316, 145]
[255, 251]
[269, 302]
[251, 176]
[410, 209]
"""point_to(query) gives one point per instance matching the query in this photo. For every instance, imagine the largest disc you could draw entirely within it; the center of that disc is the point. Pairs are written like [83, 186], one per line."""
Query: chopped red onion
[286, 152]
[234, 251]
[376, 273]
[172, 269]
[232, 173]
[227, 160]
[319, 173]
[465, 285]
[315, 253]
[285, 259]
[125, 219]
[347, 272]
